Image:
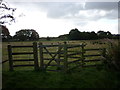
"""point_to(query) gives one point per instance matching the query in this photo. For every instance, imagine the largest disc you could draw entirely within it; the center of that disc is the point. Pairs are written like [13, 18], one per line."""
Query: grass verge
[79, 78]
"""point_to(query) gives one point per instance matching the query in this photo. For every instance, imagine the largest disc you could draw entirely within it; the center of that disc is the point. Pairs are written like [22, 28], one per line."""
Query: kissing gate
[59, 57]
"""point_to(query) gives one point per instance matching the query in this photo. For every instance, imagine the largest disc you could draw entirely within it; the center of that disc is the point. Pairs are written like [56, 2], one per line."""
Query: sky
[58, 18]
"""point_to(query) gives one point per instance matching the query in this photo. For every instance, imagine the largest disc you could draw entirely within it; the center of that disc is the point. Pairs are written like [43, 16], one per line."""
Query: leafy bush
[113, 54]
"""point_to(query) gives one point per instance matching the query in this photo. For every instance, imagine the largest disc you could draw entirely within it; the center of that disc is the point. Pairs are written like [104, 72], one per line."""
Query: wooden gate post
[104, 52]
[65, 57]
[83, 51]
[10, 58]
[41, 56]
[59, 53]
[35, 51]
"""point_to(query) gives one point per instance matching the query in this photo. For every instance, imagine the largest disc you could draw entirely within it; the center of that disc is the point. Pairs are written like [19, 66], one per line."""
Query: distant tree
[101, 34]
[63, 37]
[26, 34]
[5, 33]
[48, 38]
[109, 35]
[93, 35]
[74, 34]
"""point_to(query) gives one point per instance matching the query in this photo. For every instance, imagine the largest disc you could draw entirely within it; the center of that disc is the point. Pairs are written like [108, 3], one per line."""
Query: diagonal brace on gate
[53, 56]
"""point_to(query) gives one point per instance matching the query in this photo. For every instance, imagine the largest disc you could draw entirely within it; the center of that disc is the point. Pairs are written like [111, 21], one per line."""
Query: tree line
[74, 34]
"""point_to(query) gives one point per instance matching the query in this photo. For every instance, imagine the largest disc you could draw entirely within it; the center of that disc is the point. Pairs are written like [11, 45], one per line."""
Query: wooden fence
[61, 57]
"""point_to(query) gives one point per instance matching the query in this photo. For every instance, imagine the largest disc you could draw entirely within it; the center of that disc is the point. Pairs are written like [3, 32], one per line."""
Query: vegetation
[81, 78]
[26, 34]
[113, 55]
[5, 33]
[6, 17]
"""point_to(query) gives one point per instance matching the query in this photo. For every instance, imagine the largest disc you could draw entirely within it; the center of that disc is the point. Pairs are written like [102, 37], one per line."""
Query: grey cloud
[59, 10]
[102, 5]
[69, 10]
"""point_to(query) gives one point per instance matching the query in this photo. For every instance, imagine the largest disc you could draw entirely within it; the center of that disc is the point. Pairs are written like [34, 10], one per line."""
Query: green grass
[79, 78]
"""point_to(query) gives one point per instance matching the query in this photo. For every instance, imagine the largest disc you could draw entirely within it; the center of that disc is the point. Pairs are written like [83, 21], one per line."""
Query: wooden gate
[50, 56]
[59, 55]
[13, 62]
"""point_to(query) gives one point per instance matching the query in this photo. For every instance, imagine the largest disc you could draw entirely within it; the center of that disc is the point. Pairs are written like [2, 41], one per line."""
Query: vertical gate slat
[41, 56]
[65, 57]
[83, 51]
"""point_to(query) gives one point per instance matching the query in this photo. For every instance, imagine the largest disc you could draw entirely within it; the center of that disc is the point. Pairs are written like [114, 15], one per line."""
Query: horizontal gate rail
[54, 59]
[53, 52]
[21, 46]
[22, 53]
[92, 55]
[93, 49]
[48, 45]
[74, 61]
[92, 60]
[75, 53]
[74, 57]
[23, 65]
[74, 46]
[23, 60]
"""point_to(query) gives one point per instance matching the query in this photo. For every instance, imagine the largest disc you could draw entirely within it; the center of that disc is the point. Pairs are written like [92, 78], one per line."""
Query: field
[91, 77]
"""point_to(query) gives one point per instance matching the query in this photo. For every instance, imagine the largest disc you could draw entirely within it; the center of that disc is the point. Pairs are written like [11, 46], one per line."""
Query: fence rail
[61, 57]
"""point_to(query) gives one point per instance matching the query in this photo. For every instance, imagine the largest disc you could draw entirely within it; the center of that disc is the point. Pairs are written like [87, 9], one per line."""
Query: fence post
[83, 51]
[104, 52]
[65, 57]
[41, 56]
[35, 51]
[59, 54]
[10, 58]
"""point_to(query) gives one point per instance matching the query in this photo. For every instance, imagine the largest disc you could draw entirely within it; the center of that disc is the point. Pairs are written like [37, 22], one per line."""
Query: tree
[6, 13]
[74, 34]
[109, 35]
[102, 34]
[26, 34]
[6, 17]
[93, 35]
[5, 33]
[48, 38]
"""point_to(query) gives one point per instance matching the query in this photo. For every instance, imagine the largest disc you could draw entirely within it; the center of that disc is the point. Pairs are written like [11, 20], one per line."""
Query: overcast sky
[57, 18]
